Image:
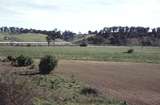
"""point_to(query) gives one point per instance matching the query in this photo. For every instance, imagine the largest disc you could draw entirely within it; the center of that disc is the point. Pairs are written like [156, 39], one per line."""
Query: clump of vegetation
[33, 66]
[14, 93]
[47, 90]
[89, 91]
[10, 58]
[28, 45]
[67, 91]
[83, 44]
[23, 61]
[47, 64]
[130, 51]
[4, 60]
[124, 103]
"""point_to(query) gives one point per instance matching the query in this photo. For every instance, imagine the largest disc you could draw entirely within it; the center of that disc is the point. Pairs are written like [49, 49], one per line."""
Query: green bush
[10, 58]
[83, 44]
[23, 61]
[28, 45]
[130, 51]
[47, 64]
[89, 91]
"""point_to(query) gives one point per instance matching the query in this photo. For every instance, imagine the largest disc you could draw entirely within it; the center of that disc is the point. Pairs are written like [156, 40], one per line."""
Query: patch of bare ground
[137, 83]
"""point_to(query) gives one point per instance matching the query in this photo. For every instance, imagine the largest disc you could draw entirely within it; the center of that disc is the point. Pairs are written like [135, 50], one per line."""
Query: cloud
[79, 15]
[7, 11]
[39, 6]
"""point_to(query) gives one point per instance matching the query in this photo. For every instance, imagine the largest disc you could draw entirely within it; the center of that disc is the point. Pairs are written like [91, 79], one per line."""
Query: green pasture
[110, 53]
[28, 37]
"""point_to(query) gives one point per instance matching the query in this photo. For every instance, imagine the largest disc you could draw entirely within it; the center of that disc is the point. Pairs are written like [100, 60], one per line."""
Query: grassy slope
[147, 54]
[32, 37]
[79, 38]
[2, 35]
[29, 37]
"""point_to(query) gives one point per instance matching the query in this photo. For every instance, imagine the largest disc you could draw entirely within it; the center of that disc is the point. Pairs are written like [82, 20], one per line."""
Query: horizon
[150, 29]
[79, 16]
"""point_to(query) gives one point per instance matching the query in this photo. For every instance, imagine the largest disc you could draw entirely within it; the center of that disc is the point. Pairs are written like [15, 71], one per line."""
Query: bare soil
[136, 83]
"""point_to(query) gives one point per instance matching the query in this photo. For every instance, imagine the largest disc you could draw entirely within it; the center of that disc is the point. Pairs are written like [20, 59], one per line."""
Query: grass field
[2, 35]
[110, 53]
[32, 37]
[29, 37]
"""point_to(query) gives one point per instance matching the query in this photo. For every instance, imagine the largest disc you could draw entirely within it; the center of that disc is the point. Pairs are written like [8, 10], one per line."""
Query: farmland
[110, 53]
[137, 83]
[121, 78]
[26, 37]
[79, 52]
[53, 89]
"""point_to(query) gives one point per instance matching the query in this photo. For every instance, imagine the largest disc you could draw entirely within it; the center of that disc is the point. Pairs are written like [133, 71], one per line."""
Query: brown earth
[136, 83]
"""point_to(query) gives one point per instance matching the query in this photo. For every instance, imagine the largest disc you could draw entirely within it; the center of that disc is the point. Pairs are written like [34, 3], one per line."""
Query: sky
[79, 15]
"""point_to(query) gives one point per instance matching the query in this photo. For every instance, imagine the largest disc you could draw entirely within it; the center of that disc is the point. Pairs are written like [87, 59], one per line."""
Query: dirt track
[138, 84]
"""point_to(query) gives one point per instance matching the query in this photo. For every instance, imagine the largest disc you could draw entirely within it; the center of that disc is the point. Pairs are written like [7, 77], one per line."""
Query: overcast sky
[79, 15]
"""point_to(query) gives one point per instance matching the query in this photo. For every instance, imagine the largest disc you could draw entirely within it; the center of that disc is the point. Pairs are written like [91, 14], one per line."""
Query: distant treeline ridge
[116, 35]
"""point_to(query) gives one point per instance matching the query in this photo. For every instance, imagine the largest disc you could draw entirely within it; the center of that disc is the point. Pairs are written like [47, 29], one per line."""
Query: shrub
[23, 60]
[89, 91]
[32, 66]
[11, 58]
[8, 59]
[83, 44]
[13, 92]
[28, 45]
[124, 103]
[130, 51]
[4, 60]
[47, 64]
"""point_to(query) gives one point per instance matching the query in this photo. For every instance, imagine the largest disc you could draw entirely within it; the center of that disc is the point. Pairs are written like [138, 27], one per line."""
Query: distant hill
[26, 37]
[79, 38]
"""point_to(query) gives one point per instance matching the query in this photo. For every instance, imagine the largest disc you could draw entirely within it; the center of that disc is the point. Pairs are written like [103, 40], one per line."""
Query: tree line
[51, 35]
[143, 36]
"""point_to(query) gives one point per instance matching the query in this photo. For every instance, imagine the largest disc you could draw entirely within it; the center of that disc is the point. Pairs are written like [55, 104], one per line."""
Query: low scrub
[14, 93]
[83, 44]
[47, 64]
[11, 58]
[130, 51]
[8, 59]
[89, 91]
[23, 61]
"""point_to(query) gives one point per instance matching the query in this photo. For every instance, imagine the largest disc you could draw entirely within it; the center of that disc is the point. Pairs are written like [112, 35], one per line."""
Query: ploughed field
[137, 83]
